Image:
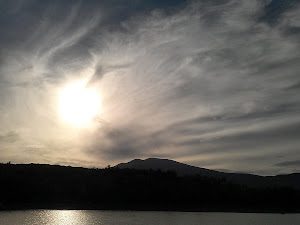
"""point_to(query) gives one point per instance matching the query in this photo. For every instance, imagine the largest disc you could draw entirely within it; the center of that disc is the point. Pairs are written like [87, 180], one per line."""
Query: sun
[79, 104]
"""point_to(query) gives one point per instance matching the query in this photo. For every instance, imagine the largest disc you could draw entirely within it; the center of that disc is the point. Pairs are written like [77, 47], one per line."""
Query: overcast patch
[295, 163]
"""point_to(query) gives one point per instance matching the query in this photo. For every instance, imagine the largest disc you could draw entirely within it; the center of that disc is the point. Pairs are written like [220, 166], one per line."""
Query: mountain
[250, 180]
[43, 186]
[165, 165]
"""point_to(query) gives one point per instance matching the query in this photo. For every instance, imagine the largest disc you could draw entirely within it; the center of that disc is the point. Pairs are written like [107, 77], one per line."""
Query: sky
[213, 84]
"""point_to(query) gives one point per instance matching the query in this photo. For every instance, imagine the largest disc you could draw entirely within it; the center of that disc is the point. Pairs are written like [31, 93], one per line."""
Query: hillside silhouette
[32, 186]
[249, 180]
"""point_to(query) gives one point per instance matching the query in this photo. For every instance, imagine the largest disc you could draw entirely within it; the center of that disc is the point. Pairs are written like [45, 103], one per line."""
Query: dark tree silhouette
[50, 186]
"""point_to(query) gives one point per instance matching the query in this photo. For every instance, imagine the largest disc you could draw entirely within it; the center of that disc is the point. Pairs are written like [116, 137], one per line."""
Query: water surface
[63, 217]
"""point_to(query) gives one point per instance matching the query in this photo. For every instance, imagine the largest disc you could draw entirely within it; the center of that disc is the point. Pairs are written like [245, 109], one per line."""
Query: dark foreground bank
[34, 186]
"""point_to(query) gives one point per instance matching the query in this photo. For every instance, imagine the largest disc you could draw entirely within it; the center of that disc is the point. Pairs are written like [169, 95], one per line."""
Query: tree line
[25, 186]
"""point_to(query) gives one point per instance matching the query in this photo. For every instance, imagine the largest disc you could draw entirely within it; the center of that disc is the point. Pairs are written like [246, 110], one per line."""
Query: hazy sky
[214, 84]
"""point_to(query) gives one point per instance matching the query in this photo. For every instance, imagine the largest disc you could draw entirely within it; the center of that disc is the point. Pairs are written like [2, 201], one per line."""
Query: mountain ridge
[44, 186]
[182, 169]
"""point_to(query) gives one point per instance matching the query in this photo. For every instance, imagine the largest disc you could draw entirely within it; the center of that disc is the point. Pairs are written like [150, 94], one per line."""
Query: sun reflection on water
[58, 217]
[65, 217]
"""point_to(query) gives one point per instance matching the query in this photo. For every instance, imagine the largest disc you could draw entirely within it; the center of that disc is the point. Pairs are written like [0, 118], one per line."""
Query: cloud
[202, 82]
[9, 137]
[294, 163]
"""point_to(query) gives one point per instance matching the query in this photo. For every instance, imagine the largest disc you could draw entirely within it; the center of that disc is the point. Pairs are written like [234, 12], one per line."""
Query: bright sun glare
[78, 105]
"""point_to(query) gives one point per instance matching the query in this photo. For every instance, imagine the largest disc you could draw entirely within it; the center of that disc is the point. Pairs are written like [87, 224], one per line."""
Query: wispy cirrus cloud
[207, 83]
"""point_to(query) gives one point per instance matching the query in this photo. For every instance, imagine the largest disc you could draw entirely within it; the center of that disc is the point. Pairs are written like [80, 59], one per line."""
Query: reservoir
[103, 217]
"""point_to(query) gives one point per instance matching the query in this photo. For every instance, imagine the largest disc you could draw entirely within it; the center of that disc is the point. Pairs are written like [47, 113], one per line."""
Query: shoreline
[28, 207]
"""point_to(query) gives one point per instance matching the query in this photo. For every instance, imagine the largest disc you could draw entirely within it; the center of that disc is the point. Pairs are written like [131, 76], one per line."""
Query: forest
[42, 186]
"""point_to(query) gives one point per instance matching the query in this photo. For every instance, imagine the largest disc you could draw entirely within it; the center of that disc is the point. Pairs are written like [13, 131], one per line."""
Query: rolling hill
[250, 180]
